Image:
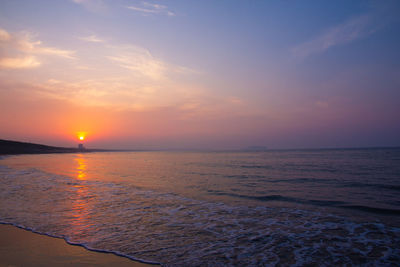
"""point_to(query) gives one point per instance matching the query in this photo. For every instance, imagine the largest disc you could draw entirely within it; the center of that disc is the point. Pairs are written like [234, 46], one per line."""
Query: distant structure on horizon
[81, 147]
[256, 148]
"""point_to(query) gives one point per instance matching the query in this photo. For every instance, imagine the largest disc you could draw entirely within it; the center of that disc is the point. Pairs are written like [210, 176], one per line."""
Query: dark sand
[19, 247]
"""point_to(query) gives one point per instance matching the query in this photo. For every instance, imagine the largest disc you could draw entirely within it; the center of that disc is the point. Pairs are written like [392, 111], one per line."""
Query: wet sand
[19, 247]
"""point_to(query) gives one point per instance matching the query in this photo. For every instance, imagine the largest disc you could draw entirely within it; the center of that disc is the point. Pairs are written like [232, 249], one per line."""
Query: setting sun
[81, 135]
[253, 132]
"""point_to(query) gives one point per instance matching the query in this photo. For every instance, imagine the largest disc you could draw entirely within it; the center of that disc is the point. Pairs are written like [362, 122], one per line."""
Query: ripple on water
[174, 230]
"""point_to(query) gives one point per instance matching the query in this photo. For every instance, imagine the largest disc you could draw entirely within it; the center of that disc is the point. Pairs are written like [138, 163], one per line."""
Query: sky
[200, 74]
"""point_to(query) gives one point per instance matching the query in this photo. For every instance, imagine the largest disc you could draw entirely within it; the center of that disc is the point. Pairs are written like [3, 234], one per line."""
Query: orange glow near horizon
[81, 136]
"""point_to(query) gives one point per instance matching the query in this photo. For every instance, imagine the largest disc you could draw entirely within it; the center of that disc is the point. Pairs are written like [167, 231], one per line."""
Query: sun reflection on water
[81, 204]
[81, 169]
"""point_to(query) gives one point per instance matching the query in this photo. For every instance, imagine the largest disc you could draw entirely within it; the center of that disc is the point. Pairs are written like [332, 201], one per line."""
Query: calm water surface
[217, 208]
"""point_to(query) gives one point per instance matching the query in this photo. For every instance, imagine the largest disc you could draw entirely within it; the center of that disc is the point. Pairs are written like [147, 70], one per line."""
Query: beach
[199, 133]
[19, 247]
[302, 207]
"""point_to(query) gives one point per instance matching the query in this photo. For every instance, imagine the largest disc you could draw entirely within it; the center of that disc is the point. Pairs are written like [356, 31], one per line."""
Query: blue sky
[189, 74]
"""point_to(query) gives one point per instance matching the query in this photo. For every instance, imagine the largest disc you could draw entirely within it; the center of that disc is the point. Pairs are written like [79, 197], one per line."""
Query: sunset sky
[200, 74]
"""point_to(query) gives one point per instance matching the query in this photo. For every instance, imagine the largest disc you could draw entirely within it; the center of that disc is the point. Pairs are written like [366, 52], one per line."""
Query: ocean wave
[180, 231]
[323, 203]
[372, 185]
[79, 244]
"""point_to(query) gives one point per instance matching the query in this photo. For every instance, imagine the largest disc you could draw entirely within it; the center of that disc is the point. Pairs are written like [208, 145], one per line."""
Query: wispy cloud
[22, 51]
[93, 92]
[120, 76]
[150, 8]
[347, 32]
[4, 35]
[91, 39]
[92, 5]
[138, 60]
[117, 92]
[52, 51]
[19, 62]
[141, 62]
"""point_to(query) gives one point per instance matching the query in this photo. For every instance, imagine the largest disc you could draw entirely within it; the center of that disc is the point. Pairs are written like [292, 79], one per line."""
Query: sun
[81, 136]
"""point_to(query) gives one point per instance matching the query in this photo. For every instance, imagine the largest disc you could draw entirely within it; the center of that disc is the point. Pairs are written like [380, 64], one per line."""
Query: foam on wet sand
[19, 247]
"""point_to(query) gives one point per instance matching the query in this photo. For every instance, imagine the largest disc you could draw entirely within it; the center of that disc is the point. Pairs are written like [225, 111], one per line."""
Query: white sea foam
[163, 227]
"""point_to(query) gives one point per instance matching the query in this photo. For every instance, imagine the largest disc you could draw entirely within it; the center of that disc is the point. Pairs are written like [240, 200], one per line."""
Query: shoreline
[9, 147]
[23, 247]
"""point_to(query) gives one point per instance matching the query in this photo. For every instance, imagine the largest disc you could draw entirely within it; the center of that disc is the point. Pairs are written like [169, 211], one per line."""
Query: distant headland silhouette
[9, 147]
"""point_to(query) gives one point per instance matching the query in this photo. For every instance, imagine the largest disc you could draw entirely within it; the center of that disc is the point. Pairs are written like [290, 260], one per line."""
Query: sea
[327, 207]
